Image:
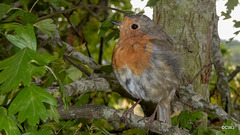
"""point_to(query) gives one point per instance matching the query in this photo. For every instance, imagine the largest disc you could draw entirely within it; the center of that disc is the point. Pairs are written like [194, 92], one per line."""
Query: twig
[77, 65]
[80, 6]
[234, 73]
[205, 66]
[101, 51]
[76, 32]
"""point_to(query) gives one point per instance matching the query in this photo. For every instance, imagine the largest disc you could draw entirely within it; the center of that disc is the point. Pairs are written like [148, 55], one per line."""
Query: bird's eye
[134, 26]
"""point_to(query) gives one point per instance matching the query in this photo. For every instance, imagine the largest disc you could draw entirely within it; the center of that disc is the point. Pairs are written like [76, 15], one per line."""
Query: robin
[146, 65]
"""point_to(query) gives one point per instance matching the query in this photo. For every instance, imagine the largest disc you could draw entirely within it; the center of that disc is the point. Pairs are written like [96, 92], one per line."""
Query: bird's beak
[116, 23]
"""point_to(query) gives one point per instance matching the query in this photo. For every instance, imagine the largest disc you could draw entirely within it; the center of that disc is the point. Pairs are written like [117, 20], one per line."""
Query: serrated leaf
[7, 123]
[53, 113]
[231, 4]
[16, 70]
[29, 18]
[46, 26]
[194, 116]
[226, 15]
[185, 118]
[151, 3]
[106, 25]
[4, 8]
[29, 104]
[25, 37]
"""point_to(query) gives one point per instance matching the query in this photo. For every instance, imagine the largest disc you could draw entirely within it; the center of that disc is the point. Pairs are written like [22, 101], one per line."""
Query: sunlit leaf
[29, 104]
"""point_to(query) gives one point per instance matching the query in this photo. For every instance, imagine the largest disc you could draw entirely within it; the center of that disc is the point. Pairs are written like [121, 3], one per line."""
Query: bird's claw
[148, 121]
[125, 113]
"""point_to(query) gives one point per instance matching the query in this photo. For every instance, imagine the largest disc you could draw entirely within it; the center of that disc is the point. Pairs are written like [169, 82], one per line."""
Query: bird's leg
[130, 112]
[150, 119]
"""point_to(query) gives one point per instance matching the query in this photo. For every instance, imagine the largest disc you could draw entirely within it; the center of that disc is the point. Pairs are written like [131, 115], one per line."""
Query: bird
[146, 65]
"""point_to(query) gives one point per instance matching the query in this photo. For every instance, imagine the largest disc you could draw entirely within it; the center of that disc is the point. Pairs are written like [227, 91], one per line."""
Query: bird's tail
[164, 112]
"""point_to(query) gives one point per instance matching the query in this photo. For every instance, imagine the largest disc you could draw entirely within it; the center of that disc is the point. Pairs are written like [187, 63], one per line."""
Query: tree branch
[108, 83]
[222, 79]
[113, 115]
[80, 6]
[77, 65]
[234, 73]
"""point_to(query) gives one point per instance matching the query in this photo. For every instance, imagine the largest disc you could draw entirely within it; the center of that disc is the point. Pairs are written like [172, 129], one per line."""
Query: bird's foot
[148, 121]
[130, 111]
[125, 114]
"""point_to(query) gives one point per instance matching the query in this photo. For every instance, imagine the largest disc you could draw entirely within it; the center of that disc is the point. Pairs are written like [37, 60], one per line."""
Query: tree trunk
[190, 25]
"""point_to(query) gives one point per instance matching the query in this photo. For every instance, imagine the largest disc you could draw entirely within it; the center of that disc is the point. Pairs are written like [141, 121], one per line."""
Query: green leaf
[231, 4]
[114, 34]
[14, 16]
[194, 116]
[186, 118]
[151, 3]
[8, 123]
[10, 26]
[4, 8]
[237, 24]
[29, 18]
[44, 132]
[16, 70]
[29, 104]
[106, 25]
[229, 128]
[25, 37]
[58, 3]
[74, 73]
[83, 100]
[25, 3]
[53, 113]
[107, 69]
[46, 26]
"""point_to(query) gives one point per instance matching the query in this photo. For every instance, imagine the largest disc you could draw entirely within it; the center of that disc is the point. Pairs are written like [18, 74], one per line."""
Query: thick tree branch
[107, 83]
[188, 96]
[222, 79]
[113, 115]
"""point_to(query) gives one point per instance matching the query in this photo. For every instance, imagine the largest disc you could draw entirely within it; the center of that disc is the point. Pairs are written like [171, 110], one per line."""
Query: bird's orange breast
[134, 53]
